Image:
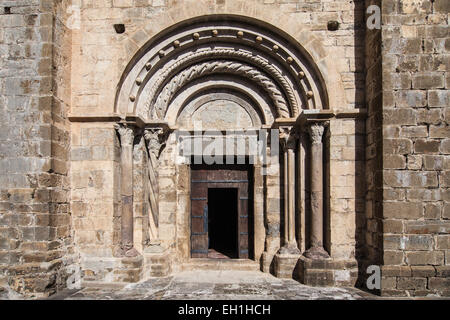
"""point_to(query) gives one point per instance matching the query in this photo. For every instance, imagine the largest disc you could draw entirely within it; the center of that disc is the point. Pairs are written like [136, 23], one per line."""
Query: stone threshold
[220, 264]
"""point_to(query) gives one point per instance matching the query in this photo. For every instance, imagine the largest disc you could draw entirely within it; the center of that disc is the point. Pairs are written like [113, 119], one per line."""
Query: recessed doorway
[221, 223]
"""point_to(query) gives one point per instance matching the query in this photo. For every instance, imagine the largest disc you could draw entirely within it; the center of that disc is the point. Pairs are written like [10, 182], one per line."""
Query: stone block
[285, 264]
[443, 271]
[420, 258]
[427, 146]
[428, 81]
[388, 283]
[397, 146]
[432, 116]
[433, 162]
[403, 116]
[402, 210]
[411, 283]
[438, 98]
[427, 227]
[443, 242]
[393, 257]
[441, 131]
[395, 271]
[439, 283]
[423, 271]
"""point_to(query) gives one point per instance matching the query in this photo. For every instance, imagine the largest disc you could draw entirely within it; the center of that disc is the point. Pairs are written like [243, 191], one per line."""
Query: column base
[120, 252]
[327, 272]
[267, 262]
[285, 264]
[130, 270]
[157, 262]
[316, 253]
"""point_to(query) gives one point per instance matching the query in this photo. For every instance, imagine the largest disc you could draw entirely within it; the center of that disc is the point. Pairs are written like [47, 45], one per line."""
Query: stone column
[288, 139]
[126, 190]
[287, 257]
[155, 139]
[157, 259]
[316, 251]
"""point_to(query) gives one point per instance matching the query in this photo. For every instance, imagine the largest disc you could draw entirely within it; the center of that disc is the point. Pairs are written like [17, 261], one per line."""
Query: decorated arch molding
[231, 46]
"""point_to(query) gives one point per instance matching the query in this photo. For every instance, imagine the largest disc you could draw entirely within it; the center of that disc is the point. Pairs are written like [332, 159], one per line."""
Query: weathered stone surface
[386, 166]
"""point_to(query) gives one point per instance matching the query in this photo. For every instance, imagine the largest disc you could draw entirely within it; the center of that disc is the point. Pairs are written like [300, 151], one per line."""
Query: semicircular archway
[221, 45]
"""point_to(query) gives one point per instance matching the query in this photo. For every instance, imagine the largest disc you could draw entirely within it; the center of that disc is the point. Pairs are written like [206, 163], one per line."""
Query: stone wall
[416, 147]
[60, 182]
[35, 236]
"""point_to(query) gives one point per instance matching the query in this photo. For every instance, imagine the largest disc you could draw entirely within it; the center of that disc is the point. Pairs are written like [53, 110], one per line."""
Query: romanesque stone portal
[326, 142]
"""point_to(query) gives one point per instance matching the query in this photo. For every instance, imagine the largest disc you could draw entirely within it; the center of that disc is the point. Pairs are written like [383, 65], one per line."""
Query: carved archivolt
[207, 68]
[226, 53]
[217, 45]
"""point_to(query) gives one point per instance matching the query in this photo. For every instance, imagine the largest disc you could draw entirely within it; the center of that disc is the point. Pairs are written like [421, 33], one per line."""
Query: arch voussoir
[220, 66]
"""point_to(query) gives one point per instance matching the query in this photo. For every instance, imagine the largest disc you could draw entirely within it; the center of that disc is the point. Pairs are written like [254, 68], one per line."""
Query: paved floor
[215, 285]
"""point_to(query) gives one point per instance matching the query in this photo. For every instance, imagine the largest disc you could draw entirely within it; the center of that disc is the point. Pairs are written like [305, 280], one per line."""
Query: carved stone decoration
[288, 137]
[156, 141]
[126, 134]
[316, 131]
[221, 66]
[227, 53]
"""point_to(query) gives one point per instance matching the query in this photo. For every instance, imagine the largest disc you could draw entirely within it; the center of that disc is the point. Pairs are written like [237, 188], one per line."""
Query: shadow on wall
[367, 180]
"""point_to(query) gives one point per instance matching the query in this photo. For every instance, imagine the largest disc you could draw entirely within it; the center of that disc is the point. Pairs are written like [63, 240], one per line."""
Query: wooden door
[205, 177]
[199, 215]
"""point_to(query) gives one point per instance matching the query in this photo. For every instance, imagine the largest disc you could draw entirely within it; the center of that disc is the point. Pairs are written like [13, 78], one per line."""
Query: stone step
[221, 264]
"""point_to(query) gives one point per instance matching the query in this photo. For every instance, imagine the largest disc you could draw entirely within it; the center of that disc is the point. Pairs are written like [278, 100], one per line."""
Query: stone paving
[214, 285]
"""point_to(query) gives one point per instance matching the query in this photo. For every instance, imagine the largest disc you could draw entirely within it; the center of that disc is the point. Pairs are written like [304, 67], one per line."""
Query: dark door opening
[221, 212]
[223, 223]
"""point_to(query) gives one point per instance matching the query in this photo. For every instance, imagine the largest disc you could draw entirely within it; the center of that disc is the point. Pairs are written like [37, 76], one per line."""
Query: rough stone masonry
[94, 95]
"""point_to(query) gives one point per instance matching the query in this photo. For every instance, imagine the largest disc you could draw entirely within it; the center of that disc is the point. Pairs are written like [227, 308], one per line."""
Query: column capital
[316, 130]
[288, 137]
[155, 139]
[126, 134]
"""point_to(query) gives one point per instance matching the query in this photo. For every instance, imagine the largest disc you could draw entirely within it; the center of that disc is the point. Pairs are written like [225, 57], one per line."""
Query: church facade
[306, 139]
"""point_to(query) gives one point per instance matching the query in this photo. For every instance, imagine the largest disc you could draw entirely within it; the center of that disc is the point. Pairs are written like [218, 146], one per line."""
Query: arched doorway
[213, 79]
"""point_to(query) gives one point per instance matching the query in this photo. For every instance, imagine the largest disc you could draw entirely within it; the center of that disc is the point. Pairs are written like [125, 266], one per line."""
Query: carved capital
[155, 139]
[126, 134]
[316, 131]
[288, 137]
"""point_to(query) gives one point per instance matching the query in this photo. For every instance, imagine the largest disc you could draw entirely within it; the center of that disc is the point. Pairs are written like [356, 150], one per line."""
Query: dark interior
[222, 222]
